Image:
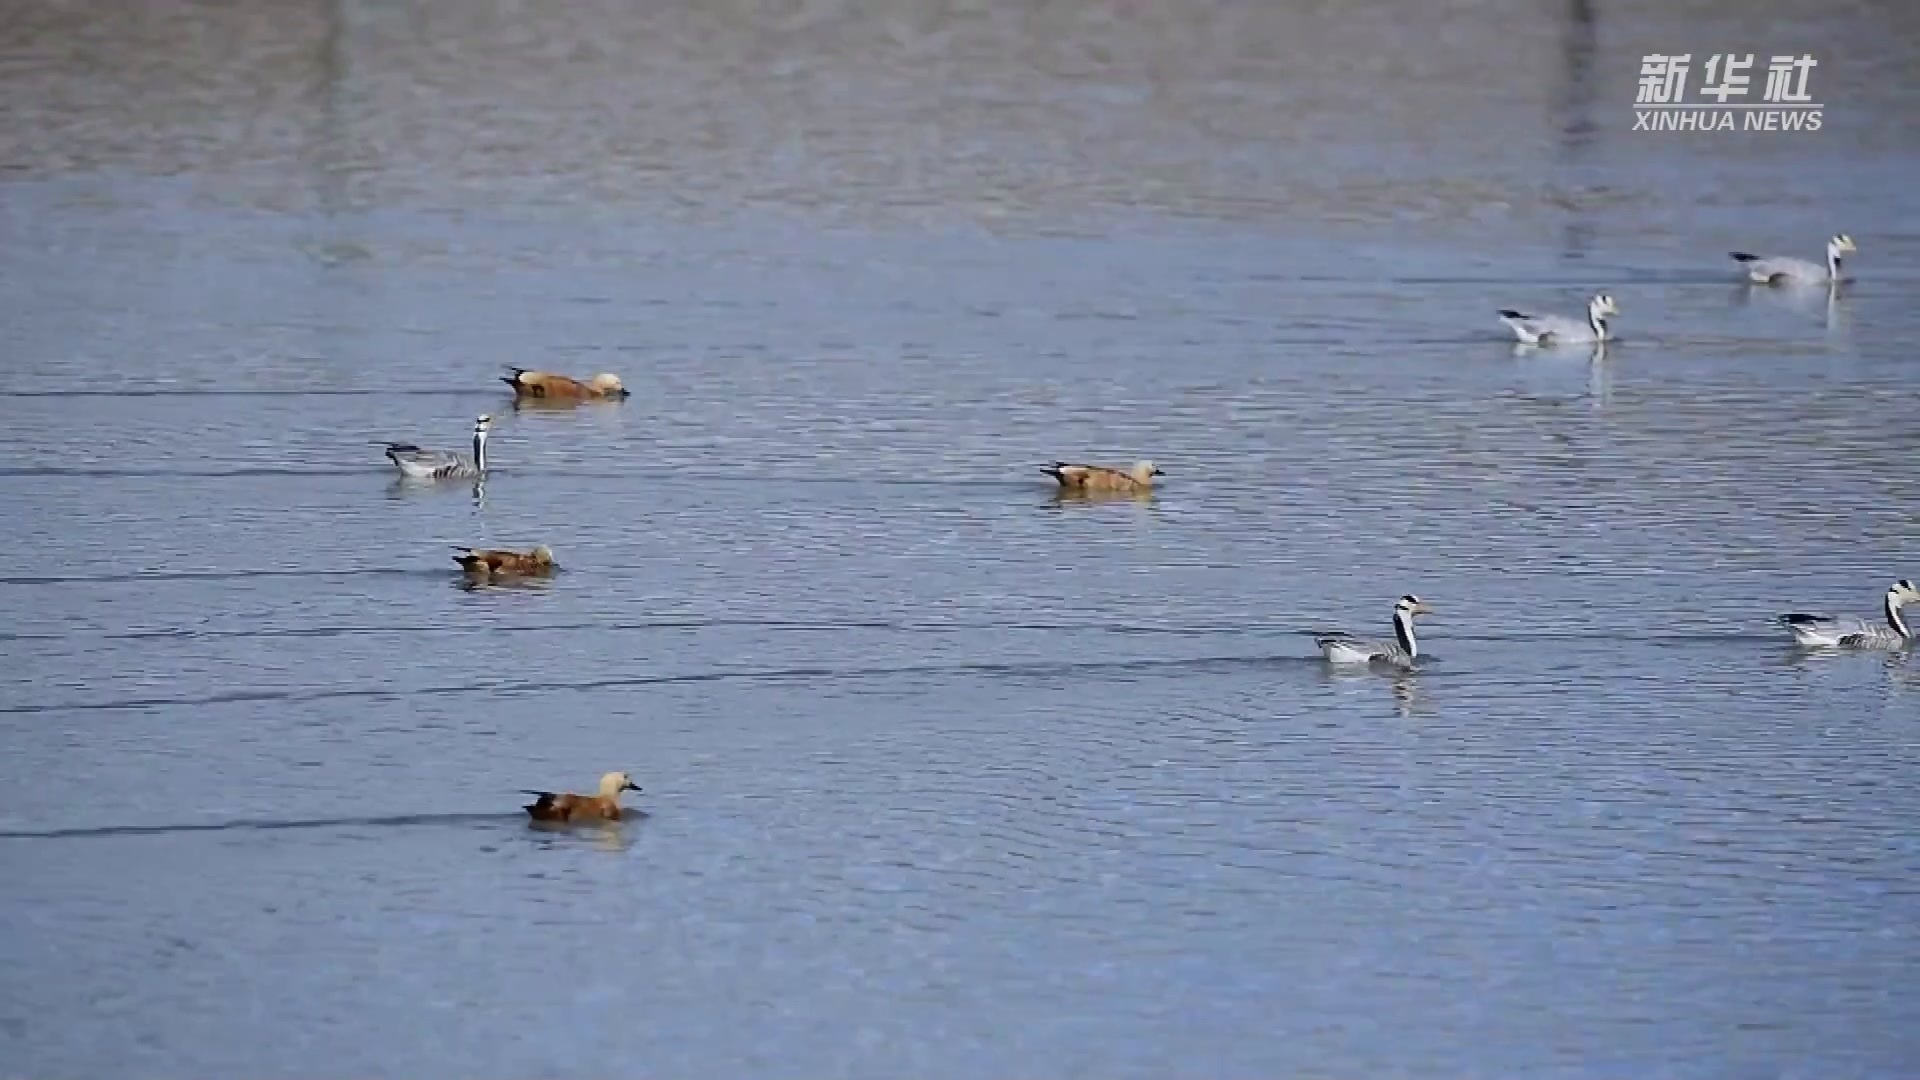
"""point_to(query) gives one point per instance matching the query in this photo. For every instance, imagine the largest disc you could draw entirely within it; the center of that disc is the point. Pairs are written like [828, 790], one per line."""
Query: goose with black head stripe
[1546, 330]
[1402, 651]
[1780, 270]
[415, 463]
[1841, 632]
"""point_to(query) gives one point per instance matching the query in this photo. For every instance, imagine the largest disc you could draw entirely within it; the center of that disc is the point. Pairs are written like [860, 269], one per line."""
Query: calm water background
[948, 778]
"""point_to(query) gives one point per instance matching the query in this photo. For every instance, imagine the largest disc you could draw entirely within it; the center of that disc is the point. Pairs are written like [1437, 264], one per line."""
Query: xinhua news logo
[1662, 103]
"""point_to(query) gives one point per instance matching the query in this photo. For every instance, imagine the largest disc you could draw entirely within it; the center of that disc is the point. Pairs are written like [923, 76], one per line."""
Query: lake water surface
[949, 777]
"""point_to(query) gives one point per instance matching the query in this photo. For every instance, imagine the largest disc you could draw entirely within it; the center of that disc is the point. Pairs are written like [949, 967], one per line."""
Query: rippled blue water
[946, 776]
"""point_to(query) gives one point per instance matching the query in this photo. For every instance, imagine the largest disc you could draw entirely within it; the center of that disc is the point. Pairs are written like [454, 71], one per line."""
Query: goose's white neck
[1403, 630]
[480, 449]
[1597, 321]
[1894, 617]
[1833, 263]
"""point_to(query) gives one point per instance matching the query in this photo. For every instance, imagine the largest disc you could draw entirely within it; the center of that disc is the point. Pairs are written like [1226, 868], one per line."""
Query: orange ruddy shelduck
[549, 386]
[602, 807]
[1073, 477]
[484, 563]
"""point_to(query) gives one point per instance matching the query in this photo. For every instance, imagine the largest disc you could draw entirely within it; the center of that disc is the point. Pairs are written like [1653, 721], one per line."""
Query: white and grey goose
[1840, 632]
[1401, 651]
[418, 464]
[1560, 330]
[1779, 270]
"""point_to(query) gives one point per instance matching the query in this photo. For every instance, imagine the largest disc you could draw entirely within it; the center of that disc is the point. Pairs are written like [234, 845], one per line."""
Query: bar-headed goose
[1402, 651]
[1842, 632]
[1560, 330]
[1780, 270]
[417, 464]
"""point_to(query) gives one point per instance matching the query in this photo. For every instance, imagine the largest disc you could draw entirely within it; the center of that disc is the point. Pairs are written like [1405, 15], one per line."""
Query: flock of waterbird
[490, 565]
[1759, 270]
[486, 565]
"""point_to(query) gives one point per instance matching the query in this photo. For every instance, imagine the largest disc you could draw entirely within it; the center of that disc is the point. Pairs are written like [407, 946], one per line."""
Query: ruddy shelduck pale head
[612, 784]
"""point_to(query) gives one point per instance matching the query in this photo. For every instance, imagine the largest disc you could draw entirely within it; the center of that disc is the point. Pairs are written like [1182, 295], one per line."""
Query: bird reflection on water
[1409, 697]
[609, 836]
[403, 488]
[1066, 497]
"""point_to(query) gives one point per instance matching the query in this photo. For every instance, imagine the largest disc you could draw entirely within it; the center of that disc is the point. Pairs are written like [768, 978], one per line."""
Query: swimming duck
[547, 385]
[492, 563]
[605, 806]
[1101, 478]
